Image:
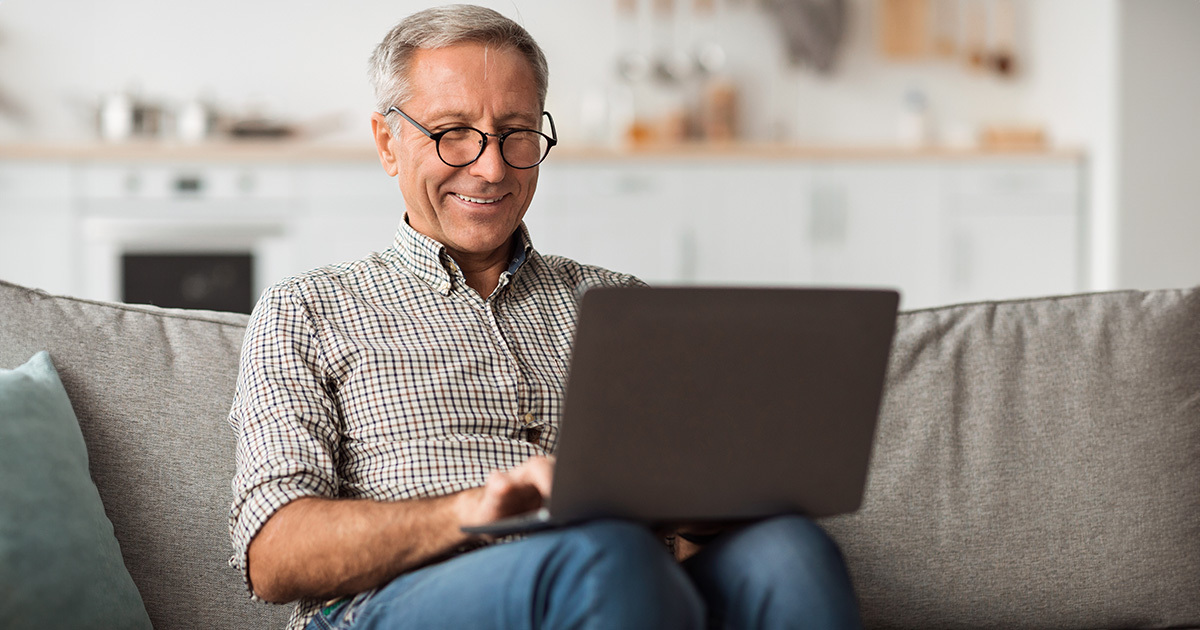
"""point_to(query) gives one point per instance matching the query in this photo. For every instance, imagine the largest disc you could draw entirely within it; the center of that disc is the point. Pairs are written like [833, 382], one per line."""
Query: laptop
[717, 405]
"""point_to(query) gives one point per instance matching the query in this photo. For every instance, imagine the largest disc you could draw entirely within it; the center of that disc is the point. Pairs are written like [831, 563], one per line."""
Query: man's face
[474, 209]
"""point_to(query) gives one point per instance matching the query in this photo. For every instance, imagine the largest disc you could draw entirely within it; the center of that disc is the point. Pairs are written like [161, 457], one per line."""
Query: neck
[482, 272]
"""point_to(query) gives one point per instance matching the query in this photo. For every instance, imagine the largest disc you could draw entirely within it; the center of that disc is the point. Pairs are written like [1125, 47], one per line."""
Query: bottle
[116, 117]
[914, 128]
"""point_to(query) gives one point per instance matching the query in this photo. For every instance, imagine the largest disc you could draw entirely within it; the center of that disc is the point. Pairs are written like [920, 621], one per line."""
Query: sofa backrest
[1037, 465]
[152, 389]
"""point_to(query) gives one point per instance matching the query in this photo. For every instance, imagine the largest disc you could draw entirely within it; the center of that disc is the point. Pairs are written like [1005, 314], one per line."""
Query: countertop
[302, 151]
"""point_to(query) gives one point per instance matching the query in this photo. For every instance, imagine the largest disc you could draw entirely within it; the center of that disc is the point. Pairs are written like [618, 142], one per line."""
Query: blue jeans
[780, 573]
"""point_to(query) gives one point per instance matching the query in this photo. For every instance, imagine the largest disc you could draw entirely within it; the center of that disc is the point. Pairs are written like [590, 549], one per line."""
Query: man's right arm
[325, 548]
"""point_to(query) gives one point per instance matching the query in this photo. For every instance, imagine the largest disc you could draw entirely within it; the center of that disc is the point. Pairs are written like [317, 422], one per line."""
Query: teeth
[476, 200]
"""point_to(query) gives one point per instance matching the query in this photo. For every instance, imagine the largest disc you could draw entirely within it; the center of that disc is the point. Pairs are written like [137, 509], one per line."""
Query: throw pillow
[60, 564]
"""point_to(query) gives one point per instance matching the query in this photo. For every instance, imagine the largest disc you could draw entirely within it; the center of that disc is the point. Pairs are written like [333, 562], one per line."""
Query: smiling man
[386, 403]
[471, 202]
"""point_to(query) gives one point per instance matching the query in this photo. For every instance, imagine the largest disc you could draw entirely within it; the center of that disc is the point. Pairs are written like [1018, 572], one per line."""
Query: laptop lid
[721, 404]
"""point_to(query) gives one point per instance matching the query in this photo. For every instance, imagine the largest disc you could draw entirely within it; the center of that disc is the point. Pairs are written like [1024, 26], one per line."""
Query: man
[384, 404]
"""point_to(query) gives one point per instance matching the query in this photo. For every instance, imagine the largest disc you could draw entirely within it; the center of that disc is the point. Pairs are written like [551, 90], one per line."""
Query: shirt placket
[531, 426]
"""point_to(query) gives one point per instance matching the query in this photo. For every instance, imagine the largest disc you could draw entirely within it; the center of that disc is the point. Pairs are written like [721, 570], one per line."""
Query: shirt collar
[429, 262]
[524, 245]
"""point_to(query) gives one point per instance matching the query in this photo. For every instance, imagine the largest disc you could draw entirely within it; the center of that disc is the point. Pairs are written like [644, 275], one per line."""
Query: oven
[188, 235]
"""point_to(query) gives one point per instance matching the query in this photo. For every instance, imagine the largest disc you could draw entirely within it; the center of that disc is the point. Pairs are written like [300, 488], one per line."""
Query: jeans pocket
[350, 611]
[341, 615]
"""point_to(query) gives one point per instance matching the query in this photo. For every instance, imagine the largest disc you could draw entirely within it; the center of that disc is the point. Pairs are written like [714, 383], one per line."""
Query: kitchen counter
[302, 151]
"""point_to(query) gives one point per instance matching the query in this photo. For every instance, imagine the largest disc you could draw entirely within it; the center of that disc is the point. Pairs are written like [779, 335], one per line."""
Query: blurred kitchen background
[188, 154]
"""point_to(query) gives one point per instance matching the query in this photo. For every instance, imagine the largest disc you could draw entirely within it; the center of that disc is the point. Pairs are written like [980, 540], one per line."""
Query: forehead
[473, 77]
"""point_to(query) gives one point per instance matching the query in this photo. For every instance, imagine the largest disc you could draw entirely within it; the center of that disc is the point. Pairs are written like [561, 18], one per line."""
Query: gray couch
[1037, 462]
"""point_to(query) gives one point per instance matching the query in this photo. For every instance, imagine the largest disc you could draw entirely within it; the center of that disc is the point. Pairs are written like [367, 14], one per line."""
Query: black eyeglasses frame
[551, 140]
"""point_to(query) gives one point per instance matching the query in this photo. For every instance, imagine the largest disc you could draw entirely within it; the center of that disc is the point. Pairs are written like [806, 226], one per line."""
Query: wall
[307, 60]
[1159, 144]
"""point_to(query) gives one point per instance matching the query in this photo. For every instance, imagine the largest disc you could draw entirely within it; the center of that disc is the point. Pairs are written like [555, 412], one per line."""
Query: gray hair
[440, 27]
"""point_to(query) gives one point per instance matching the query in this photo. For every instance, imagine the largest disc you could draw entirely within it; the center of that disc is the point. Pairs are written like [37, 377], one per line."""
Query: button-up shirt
[389, 378]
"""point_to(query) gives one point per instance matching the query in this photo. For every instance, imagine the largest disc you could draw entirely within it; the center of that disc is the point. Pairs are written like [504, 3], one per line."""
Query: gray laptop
[717, 405]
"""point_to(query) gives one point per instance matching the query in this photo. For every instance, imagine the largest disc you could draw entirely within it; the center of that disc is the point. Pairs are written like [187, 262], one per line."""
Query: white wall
[307, 60]
[1159, 144]
[1073, 79]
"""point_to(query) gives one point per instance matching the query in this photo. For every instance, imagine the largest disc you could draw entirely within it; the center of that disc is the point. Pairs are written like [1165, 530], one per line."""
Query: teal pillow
[60, 564]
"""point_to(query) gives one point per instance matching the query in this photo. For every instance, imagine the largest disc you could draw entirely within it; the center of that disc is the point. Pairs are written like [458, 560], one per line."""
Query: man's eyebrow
[444, 117]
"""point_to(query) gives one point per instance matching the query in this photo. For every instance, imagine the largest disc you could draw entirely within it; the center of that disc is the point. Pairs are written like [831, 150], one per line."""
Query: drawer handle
[189, 185]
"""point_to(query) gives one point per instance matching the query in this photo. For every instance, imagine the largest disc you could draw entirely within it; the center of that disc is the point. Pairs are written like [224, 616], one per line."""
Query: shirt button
[528, 419]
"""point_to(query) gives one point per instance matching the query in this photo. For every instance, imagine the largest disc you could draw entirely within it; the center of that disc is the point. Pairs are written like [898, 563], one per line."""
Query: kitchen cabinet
[1015, 230]
[37, 226]
[941, 229]
[348, 211]
[878, 224]
[751, 226]
[621, 217]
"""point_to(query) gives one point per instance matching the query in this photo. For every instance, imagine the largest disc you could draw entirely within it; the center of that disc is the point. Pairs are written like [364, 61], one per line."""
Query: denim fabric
[782, 573]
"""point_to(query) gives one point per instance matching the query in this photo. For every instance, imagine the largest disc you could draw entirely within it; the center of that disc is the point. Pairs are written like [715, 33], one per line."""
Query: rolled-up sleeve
[284, 417]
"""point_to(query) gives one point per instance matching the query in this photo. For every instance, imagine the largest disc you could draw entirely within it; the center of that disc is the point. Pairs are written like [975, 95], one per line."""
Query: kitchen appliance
[184, 235]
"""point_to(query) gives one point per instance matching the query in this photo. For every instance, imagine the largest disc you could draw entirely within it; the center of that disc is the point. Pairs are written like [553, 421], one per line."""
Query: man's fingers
[506, 494]
[539, 472]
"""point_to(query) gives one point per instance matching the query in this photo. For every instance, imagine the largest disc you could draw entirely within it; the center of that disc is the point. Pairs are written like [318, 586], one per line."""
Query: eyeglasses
[460, 146]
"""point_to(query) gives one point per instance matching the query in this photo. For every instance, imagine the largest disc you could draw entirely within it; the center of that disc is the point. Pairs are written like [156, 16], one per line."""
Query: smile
[476, 199]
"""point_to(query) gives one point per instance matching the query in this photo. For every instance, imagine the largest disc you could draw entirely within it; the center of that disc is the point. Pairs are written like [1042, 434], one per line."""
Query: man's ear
[383, 144]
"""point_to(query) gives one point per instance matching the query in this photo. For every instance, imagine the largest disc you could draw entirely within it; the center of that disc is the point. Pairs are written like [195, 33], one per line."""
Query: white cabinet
[627, 217]
[751, 225]
[940, 231]
[671, 223]
[349, 209]
[878, 225]
[1014, 231]
[37, 226]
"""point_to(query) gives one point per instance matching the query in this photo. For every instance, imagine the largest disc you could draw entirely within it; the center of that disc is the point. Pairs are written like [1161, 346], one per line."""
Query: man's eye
[458, 133]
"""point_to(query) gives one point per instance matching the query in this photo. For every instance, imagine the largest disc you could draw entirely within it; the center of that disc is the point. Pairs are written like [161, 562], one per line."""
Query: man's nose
[490, 166]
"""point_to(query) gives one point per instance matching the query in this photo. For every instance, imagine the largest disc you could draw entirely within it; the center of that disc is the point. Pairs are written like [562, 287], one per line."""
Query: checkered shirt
[389, 378]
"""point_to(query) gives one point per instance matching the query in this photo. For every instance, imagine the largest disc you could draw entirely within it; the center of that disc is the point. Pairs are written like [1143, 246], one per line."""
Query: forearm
[324, 548]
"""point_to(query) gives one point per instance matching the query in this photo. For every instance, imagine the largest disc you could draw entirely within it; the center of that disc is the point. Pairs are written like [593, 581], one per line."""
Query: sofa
[1037, 465]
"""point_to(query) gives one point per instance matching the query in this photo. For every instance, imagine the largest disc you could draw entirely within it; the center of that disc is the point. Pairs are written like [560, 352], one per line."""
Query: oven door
[214, 264]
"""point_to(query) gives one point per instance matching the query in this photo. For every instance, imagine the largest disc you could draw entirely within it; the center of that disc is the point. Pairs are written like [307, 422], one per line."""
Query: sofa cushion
[152, 388]
[60, 564]
[1037, 465]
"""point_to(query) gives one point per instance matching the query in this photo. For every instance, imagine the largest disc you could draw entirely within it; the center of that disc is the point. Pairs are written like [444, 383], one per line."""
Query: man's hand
[324, 548]
[703, 533]
[510, 492]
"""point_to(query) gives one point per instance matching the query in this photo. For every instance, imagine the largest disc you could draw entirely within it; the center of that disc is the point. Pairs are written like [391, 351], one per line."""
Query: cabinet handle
[133, 183]
[828, 223]
[189, 185]
[246, 183]
[688, 256]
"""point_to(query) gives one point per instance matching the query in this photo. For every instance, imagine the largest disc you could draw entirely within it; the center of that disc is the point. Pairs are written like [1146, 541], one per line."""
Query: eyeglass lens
[520, 149]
